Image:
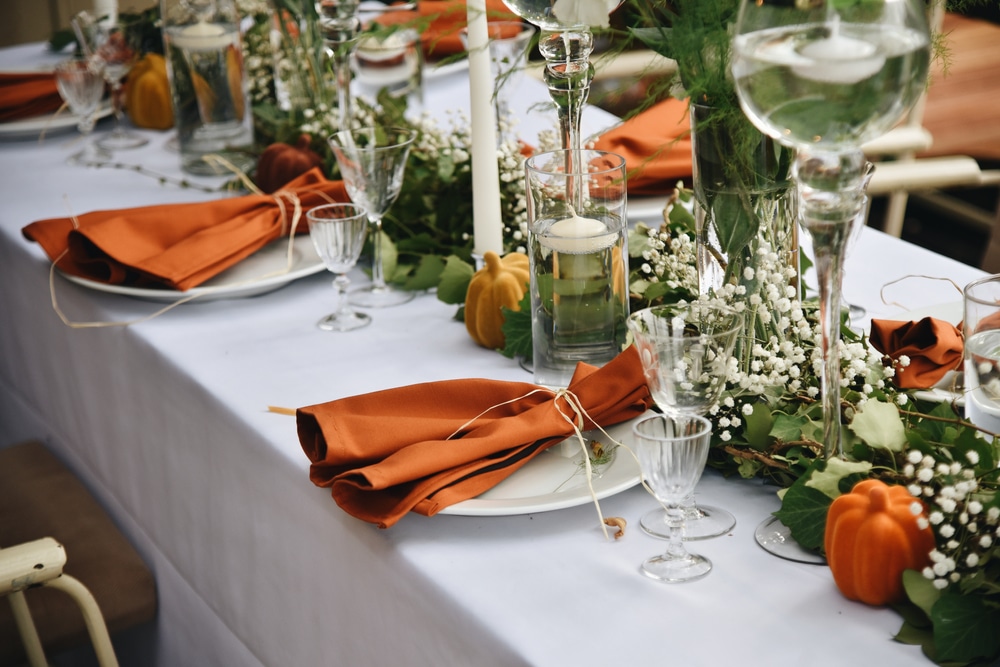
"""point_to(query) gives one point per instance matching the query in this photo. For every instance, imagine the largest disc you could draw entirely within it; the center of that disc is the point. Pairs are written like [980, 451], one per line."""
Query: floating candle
[839, 59]
[577, 235]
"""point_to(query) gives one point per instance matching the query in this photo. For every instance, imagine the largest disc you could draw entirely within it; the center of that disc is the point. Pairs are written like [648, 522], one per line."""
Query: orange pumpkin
[871, 537]
[501, 283]
[147, 97]
[280, 163]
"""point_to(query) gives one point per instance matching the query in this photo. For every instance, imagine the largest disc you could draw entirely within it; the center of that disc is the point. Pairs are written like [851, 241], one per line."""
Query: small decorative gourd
[280, 163]
[872, 536]
[147, 96]
[501, 283]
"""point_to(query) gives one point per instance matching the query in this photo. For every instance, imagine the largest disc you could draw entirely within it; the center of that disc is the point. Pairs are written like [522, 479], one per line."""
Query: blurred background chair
[43, 508]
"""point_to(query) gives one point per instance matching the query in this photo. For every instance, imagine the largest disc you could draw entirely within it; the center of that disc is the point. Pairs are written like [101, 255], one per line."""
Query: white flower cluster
[966, 531]
[779, 351]
[258, 49]
[670, 258]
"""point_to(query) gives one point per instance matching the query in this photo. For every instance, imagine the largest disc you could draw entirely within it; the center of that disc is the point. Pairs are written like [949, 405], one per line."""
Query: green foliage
[517, 330]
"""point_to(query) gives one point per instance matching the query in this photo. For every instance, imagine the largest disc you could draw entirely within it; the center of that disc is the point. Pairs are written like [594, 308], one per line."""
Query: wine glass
[338, 232]
[685, 351]
[824, 78]
[672, 450]
[114, 49]
[372, 162]
[81, 85]
[340, 27]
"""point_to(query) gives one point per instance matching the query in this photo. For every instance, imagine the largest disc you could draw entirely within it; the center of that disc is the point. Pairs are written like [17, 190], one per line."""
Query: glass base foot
[344, 322]
[89, 157]
[776, 539]
[676, 570]
[121, 141]
[374, 297]
[702, 523]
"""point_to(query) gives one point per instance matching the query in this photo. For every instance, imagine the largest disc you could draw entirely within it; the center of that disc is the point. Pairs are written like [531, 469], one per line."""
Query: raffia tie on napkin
[27, 95]
[656, 145]
[933, 346]
[386, 453]
[179, 246]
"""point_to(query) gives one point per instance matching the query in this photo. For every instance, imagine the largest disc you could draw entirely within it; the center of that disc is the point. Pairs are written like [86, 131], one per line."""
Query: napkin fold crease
[178, 246]
[386, 453]
[26, 95]
[933, 346]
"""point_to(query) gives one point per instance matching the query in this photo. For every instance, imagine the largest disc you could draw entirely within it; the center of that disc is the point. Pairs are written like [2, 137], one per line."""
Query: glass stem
[831, 188]
[116, 105]
[378, 272]
[340, 284]
[568, 74]
[675, 521]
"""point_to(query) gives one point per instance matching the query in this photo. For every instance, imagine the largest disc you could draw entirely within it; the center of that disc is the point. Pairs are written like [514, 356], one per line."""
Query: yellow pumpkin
[872, 536]
[147, 99]
[501, 283]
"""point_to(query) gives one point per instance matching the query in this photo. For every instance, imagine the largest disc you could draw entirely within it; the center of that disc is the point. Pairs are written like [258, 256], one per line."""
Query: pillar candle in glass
[579, 261]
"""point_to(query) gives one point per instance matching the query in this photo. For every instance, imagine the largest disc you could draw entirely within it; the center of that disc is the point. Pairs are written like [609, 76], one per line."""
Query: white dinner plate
[432, 71]
[647, 209]
[556, 479]
[29, 128]
[262, 272]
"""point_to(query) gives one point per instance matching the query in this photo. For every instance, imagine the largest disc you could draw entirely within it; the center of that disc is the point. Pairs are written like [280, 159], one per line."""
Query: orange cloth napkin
[656, 145]
[442, 36]
[27, 95]
[388, 452]
[933, 346]
[178, 246]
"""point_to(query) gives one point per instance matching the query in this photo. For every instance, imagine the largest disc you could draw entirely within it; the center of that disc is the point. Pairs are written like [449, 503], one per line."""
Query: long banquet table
[167, 420]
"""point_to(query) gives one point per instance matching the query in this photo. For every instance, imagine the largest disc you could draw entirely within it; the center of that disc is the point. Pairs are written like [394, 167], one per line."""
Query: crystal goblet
[672, 451]
[372, 162]
[81, 85]
[338, 233]
[685, 351]
[116, 52]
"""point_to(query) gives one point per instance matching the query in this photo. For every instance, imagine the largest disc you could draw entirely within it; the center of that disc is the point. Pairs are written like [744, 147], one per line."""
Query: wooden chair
[70, 575]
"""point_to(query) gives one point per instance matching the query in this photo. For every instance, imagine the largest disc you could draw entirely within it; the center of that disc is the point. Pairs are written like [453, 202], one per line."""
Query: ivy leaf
[758, 427]
[455, 277]
[920, 591]
[965, 628]
[879, 425]
[828, 480]
[788, 428]
[517, 330]
[803, 511]
[427, 273]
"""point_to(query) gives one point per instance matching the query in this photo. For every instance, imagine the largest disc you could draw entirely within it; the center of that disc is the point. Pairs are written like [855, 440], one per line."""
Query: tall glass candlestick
[340, 26]
[565, 41]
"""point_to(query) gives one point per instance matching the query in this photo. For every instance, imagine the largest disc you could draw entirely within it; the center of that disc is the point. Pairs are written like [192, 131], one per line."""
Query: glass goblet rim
[403, 137]
[703, 426]
[318, 213]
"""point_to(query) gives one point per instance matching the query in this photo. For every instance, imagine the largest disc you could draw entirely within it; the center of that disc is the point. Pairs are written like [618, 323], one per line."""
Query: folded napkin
[27, 95]
[178, 246]
[656, 145]
[441, 37]
[390, 452]
[933, 346]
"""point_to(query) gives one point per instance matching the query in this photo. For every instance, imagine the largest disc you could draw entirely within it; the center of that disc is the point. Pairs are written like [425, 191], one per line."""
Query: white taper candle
[487, 226]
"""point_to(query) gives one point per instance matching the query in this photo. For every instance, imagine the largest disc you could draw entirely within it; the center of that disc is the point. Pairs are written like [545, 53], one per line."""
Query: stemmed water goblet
[824, 78]
[338, 232]
[685, 351]
[114, 49]
[372, 162]
[81, 85]
[672, 450]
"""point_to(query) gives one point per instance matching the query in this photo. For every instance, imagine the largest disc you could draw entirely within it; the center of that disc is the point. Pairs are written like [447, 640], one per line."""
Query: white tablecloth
[168, 422]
